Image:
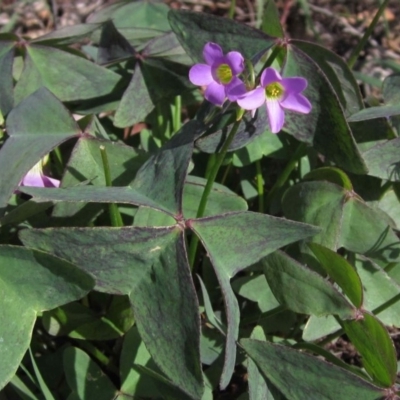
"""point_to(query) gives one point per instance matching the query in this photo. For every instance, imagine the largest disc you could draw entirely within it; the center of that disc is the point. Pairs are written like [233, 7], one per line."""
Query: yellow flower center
[274, 91]
[224, 74]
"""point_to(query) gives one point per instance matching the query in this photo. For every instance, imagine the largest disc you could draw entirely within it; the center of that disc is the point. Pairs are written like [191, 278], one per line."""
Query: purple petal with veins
[200, 74]
[253, 99]
[212, 52]
[294, 85]
[236, 61]
[39, 180]
[235, 89]
[215, 93]
[270, 75]
[276, 115]
[296, 102]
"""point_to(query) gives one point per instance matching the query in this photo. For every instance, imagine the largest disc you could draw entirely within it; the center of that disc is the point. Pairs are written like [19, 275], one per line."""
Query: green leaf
[270, 23]
[138, 14]
[35, 126]
[42, 384]
[338, 74]
[195, 29]
[372, 340]
[31, 282]
[24, 211]
[365, 230]
[256, 288]
[150, 265]
[330, 174]
[167, 46]
[254, 235]
[317, 203]
[266, 144]
[85, 164]
[318, 327]
[300, 376]
[336, 143]
[379, 289]
[85, 378]
[92, 194]
[80, 322]
[68, 76]
[6, 79]
[345, 219]
[375, 112]
[134, 353]
[249, 129]
[258, 389]
[390, 89]
[163, 176]
[113, 46]
[212, 318]
[220, 200]
[303, 290]
[383, 160]
[67, 35]
[390, 204]
[341, 271]
[137, 93]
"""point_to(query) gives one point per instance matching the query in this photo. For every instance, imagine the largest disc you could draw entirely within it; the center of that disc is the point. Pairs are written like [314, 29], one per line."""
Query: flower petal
[215, 93]
[294, 85]
[212, 52]
[253, 99]
[270, 75]
[296, 102]
[200, 74]
[33, 179]
[236, 61]
[50, 182]
[276, 115]
[235, 89]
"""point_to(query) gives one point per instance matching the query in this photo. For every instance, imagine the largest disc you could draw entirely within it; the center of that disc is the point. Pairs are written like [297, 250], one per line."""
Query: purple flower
[277, 93]
[219, 74]
[35, 177]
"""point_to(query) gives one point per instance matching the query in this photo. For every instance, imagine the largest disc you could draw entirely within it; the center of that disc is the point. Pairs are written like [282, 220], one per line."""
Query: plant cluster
[183, 198]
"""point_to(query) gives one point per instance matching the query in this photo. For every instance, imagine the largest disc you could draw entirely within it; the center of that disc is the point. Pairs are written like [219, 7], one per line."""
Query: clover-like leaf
[35, 126]
[376, 347]
[233, 242]
[303, 290]
[31, 281]
[150, 265]
[336, 143]
[68, 76]
[308, 375]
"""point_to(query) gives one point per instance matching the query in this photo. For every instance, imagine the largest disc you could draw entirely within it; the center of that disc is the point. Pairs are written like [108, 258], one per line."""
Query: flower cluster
[221, 73]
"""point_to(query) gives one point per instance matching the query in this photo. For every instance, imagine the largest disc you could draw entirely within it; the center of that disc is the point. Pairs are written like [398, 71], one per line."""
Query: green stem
[272, 57]
[226, 173]
[207, 190]
[360, 45]
[177, 114]
[58, 161]
[283, 177]
[97, 354]
[210, 163]
[115, 216]
[231, 12]
[260, 187]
